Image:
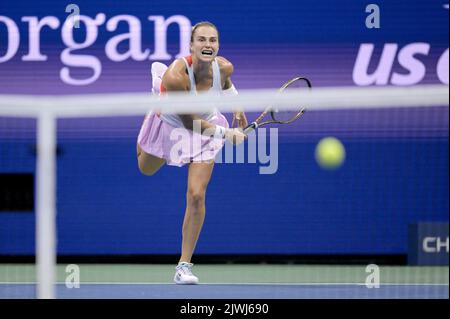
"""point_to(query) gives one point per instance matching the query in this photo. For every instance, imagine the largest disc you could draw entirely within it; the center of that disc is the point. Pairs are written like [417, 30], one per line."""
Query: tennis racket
[283, 116]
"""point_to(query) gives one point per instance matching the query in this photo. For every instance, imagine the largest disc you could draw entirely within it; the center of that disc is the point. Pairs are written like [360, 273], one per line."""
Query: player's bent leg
[148, 164]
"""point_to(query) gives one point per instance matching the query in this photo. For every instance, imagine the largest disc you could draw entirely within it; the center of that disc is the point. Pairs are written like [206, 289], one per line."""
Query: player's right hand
[235, 135]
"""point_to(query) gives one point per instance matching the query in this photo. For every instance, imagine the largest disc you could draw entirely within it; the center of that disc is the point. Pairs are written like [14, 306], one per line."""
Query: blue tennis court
[116, 281]
[307, 158]
[236, 291]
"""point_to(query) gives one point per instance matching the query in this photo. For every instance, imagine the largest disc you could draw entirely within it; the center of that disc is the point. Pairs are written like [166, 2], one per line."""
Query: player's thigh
[199, 176]
[148, 164]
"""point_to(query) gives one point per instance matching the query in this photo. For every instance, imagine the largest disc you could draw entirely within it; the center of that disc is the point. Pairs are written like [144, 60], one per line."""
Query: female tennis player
[203, 70]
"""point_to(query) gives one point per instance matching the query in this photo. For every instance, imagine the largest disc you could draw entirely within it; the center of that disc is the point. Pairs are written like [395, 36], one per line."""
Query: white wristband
[220, 132]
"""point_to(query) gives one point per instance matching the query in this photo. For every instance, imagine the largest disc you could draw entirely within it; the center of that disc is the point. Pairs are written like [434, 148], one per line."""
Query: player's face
[205, 45]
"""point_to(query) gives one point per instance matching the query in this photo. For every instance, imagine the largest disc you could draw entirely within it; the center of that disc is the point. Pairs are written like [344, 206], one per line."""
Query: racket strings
[287, 116]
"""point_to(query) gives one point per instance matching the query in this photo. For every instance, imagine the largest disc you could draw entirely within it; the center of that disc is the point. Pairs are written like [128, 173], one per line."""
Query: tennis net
[71, 160]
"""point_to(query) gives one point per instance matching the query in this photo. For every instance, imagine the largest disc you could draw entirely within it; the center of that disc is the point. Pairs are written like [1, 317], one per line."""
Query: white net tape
[249, 100]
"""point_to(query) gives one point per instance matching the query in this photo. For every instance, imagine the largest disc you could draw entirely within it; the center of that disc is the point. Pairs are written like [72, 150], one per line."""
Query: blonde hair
[202, 24]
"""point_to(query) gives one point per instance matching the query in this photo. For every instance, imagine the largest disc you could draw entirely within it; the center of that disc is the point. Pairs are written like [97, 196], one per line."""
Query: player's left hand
[240, 119]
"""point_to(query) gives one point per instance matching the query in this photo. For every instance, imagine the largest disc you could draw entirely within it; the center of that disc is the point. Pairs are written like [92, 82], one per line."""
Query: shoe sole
[185, 282]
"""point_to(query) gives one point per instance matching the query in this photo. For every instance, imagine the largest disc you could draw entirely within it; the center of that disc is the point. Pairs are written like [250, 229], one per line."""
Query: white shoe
[184, 275]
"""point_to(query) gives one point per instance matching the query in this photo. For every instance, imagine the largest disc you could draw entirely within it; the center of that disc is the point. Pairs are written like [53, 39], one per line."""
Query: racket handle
[251, 127]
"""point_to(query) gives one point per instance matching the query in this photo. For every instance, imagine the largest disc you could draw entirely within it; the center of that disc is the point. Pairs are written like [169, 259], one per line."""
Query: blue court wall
[105, 206]
[391, 178]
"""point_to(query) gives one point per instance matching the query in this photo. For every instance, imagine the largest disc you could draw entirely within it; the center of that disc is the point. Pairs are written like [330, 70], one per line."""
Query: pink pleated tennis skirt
[178, 146]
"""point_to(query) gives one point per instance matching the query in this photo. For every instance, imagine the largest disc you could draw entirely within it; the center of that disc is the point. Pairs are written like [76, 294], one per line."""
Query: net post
[46, 206]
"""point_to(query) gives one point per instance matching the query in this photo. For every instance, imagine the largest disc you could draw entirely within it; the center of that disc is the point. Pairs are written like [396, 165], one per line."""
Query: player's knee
[147, 172]
[196, 197]
[146, 169]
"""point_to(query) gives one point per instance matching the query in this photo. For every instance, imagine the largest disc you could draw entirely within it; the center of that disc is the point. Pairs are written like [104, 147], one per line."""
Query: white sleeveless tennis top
[174, 119]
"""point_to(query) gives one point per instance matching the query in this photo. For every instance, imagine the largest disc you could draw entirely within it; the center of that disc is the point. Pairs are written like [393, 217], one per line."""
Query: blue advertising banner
[428, 244]
[112, 45]
[396, 169]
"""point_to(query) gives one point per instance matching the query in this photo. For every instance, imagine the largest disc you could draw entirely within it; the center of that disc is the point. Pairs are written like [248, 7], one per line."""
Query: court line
[224, 284]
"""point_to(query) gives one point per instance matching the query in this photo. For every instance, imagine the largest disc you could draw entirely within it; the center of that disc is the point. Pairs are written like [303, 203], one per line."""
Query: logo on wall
[409, 57]
[72, 58]
[428, 244]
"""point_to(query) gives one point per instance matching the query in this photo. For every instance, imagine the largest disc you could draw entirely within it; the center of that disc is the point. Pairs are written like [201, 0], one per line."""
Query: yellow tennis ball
[330, 153]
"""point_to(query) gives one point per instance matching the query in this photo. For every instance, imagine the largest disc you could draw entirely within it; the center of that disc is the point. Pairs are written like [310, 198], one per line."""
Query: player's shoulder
[175, 77]
[226, 67]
